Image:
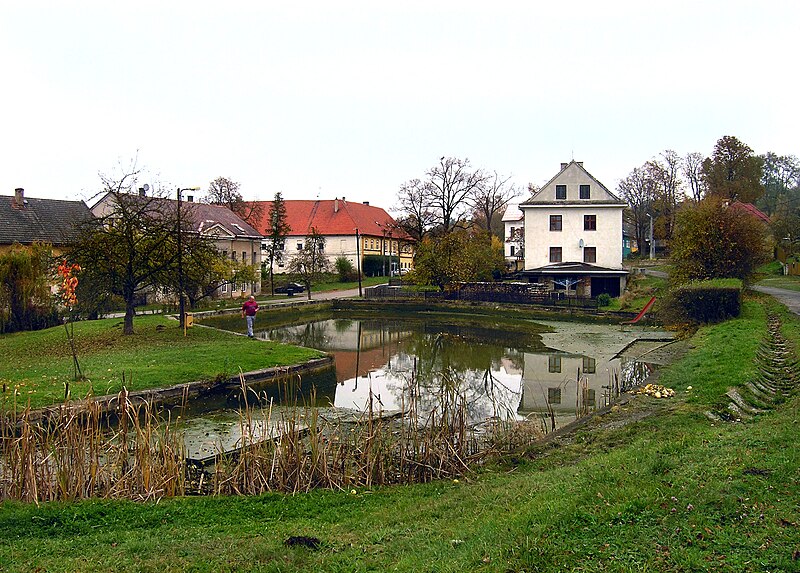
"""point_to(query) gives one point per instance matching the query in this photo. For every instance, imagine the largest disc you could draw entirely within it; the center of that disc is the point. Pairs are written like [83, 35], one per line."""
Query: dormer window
[561, 191]
[585, 192]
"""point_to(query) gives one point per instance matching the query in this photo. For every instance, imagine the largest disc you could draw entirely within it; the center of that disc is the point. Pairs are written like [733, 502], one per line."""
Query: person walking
[249, 310]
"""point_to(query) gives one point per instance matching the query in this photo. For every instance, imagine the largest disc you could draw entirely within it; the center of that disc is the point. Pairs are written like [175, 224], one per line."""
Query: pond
[507, 369]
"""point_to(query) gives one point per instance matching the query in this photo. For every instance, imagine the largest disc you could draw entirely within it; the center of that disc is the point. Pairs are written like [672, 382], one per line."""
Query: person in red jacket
[249, 310]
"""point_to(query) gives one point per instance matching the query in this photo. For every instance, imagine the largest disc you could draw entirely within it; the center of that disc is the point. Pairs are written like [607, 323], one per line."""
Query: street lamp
[652, 244]
[181, 302]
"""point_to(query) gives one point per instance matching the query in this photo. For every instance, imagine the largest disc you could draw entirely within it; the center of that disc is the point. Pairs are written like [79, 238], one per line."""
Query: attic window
[585, 192]
[561, 191]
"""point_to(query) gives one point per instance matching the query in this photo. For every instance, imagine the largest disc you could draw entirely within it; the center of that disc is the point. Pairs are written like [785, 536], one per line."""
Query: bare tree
[414, 206]
[693, 171]
[638, 189]
[451, 184]
[491, 196]
[225, 191]
[665, 172]
[310, 262]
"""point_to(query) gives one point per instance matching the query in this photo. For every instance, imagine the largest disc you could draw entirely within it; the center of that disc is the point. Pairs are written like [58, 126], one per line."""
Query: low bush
[703, 302]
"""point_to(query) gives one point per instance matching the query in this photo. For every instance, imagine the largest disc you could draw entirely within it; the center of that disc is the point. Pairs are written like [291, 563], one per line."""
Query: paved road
[790, 298]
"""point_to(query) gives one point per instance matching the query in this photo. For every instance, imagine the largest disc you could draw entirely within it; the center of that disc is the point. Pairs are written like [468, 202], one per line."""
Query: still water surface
[551, 371]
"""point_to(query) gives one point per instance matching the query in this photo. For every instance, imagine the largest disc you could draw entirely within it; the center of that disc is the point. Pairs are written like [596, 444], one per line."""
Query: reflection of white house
[573, 234]
[514, 237]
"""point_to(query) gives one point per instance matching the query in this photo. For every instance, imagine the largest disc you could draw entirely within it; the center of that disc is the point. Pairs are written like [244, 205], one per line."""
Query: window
[299, 246]
[555, 222]
[585, 192]
[561, 191]
[512, 250]
[244, 257]
[555, 254]
[511, 234]
[590, 222]
[589, 365]
[589, 254]
[224, 287]
[554, 395]
[224, 254]
[233, 255]
[554, 363]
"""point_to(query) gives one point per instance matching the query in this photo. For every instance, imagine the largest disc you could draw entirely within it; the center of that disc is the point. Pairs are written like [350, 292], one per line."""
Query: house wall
[607, 239]
[345, 246]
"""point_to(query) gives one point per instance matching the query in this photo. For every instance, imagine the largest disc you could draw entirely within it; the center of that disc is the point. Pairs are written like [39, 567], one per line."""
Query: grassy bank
[37, 365]
[653, 486]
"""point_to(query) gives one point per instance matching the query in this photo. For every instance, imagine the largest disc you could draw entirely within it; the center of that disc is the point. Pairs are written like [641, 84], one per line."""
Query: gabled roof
[513, 213]
[203, 215]
[750, 209]
[545, 196]
[332, 217]
[45, 220]
[207, 216]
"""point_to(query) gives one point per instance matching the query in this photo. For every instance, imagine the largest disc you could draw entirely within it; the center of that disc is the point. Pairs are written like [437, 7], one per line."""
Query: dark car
[290, 288]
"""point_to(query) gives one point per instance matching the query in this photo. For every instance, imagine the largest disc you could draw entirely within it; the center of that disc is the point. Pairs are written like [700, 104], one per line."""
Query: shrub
[603, 299]
[345, 270]
[703, 301]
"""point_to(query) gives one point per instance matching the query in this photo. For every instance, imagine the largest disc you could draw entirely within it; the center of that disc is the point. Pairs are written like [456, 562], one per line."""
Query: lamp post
[383, 251]
[652, 245]
[181, 302]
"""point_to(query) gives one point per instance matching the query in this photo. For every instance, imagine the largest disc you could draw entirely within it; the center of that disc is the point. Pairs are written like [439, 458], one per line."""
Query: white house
[573, 235]
[514, 243]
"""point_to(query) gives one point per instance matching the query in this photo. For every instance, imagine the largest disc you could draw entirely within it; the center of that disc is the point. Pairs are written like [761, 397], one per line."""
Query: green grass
[788, 282]
[641, 288]
[669, 491]
[38, 364]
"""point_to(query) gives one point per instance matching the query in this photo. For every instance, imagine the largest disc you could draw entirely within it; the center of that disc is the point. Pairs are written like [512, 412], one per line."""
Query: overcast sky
[351, 99]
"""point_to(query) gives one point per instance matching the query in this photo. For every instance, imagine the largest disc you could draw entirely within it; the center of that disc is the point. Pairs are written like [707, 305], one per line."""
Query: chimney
[336, 205]
[190, 198]
[366, 203]
[579, 163]
[19, 198]
[142, 191]
[564, 166]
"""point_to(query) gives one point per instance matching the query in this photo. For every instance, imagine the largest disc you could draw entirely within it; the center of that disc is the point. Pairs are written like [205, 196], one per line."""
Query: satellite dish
[580, 243]
[146, 187]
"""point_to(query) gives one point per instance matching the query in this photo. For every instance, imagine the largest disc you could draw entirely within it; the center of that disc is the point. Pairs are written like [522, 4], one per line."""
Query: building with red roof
[364, 234]
[751, 210]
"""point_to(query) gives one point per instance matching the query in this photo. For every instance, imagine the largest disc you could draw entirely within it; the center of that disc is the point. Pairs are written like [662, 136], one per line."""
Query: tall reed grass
[138, 452]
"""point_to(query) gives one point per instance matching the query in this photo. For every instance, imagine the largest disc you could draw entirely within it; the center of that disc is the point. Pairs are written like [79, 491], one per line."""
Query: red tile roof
[750, 209]
[332, 217]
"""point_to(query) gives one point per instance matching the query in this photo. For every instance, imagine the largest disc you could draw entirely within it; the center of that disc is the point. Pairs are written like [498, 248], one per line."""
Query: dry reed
[78, 453]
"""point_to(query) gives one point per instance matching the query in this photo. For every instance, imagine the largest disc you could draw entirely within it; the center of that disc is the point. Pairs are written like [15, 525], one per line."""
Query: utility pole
[181, 301]
[358, 266]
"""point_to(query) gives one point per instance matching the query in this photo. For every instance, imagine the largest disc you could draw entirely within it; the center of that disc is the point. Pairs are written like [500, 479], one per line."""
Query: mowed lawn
[36, 366]
[658, 487]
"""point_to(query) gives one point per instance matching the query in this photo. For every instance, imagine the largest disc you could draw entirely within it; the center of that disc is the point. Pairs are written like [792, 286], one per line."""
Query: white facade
[513, 236]
[573, 233]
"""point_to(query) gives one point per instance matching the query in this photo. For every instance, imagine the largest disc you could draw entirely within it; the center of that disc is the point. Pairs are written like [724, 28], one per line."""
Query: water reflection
[497, 370]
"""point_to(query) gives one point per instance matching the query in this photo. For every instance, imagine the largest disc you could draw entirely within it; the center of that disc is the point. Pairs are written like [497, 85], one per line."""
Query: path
[790, 298]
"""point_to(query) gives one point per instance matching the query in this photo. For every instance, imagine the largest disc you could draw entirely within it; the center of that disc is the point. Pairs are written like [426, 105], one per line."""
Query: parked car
[290, 289]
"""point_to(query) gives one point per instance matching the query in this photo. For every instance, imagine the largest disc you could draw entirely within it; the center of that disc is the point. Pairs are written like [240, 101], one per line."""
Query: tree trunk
[130, 311]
